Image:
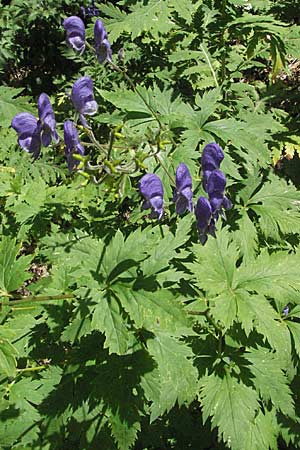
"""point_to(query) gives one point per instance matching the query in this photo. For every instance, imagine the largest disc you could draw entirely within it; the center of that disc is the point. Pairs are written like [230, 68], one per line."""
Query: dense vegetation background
[117, 330]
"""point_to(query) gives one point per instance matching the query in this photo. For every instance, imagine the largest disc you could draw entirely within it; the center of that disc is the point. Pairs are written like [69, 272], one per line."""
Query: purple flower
[183, 193]
[47, 121]
[286, 310]
[83, 98]
[72, 144]
[33, 132]
[102, 45]
[215, 188]
[151, 188]
[75, 29]
[26, 125]
[211, 159]
[205, 220]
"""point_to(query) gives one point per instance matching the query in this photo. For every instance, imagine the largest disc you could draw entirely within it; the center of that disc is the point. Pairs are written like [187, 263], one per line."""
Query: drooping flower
[72, 144]
[215, 187]
[211, 159]
[75, 29]
[83, 98]
[205, 219]
[183, 193]
[47, 121]
[26, 125]
[102, 45]
[151, 188]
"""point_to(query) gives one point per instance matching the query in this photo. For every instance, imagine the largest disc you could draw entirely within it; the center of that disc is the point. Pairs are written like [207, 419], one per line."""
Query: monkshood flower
[215, 188]
[32, 132]
[47, 121]
[83, 98]
[183, 194]
[102, 45]
[75, 29]
[211, 159]
[151, 188]
[29, 136]
[205, 220]
[72, 144]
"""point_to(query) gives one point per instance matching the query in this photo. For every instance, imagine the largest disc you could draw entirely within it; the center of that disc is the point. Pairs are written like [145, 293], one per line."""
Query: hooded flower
[26, 125]
[72, 144]
[215, 187]
[102, 45]
[183, 193]
[83, 98]
[205, 220]
[75, 29]
[211, 159]
[47, 121]
[151, 188]
[32, 132]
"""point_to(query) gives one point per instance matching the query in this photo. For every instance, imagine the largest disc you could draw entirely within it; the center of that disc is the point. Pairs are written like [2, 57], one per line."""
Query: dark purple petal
[26, 125]
[203, 213]
[212, 156]
[205, 219]
[83, 96]
[102, 45]
[151, 188]
[72, 144]
[46, 138]
[216, 183]
[216, 202]
[226, 203]
[183, 193]
[211, 159]
[47, 119]
[75, 29]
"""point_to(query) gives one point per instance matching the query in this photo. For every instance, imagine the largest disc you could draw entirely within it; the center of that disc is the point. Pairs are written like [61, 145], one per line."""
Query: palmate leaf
[241, 294]
[12, 270]
[270, 380]
[154, 17]
[232, 406]
[276, 204]
[177, 377]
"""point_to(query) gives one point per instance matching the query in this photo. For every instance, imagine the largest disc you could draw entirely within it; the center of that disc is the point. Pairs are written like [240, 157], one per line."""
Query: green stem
[32, 369]
[121, 71]
[210, 65]
[111, 141]
[158, 159]
[33, 298]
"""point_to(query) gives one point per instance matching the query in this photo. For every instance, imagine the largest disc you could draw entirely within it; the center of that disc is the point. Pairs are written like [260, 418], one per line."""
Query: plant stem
[33, 298]
[210, 65]
[32, 369]
[118, 69]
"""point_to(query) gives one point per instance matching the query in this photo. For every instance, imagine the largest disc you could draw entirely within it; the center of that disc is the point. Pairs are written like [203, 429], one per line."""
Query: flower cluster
[75, 37]
[207, 210]
[32, 132]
